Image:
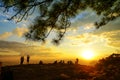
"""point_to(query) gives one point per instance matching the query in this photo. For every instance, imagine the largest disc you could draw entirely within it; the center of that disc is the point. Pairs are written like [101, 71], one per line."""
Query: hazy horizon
[15, 60]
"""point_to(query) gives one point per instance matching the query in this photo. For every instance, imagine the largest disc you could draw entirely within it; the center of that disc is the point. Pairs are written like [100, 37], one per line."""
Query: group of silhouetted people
[22, 59]
[68, 62]
[41, 62]
[60, 62]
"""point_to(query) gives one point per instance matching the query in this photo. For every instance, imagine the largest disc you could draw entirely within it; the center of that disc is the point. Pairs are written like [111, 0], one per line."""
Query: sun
[88, 55]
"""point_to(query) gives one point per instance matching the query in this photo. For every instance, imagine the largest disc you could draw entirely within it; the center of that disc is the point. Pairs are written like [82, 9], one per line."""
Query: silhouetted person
[41, 62]
[21, 59]
[63, 62]
[76, 62]
[69, 62]
[55, 62]
[28, 59]
[60, 62]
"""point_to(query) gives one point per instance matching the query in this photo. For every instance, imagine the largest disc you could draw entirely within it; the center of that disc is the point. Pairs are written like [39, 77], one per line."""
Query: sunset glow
[83, 40]
[88, 55]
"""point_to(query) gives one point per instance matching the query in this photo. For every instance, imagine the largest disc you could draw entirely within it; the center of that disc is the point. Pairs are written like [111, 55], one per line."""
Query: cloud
[85, 38]
[113, 38]
[7, 52]
[12, 46]
[89, 26]
[106, 39]
[4, 51]
[83, 31]
[19, 31]
[111, 26]
[24, 49]
[5, 35]
[4, 20]
[88, 17]
[2, 13]
[86, 22]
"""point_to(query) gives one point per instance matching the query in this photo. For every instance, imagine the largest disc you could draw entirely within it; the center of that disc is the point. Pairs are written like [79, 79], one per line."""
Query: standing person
[21, 59]
[77, 60]
[28, 59]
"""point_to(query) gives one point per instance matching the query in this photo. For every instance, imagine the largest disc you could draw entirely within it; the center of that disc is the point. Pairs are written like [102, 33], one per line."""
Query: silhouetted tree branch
[56, 14]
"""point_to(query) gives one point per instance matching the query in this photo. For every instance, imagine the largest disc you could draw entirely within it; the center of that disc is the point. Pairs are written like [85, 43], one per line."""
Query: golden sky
[82, 36]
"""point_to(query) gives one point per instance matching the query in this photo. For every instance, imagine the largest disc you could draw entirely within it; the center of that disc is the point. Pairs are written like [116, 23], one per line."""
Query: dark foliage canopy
[56, 14]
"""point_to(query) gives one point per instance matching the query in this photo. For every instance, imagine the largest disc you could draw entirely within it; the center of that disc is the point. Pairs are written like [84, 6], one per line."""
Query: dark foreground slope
[47, 72]
[106, 69]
